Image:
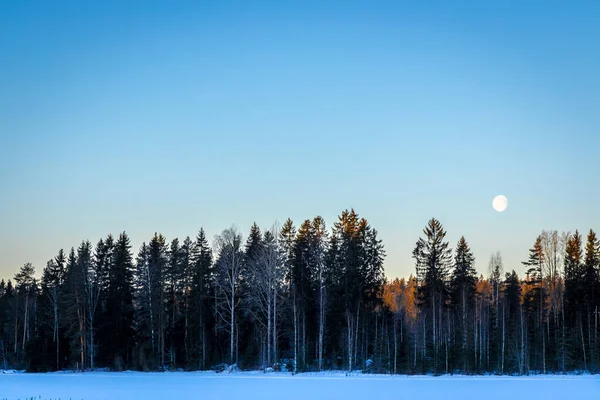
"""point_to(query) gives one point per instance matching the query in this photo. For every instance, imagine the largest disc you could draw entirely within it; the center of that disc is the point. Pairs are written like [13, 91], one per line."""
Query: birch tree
[229, 268]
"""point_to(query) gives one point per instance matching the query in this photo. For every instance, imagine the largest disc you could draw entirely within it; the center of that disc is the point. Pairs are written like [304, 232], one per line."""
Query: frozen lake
[250, 386]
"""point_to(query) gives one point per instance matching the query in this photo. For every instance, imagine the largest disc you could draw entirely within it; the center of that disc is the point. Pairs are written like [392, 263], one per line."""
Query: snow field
[259, 386]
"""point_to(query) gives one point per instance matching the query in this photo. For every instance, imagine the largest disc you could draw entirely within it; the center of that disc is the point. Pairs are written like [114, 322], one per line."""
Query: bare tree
[229, 265]
[496, 271]
[266, 273]
[319, 248]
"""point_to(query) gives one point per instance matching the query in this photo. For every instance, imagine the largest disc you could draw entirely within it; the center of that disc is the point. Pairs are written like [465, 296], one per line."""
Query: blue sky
[169, 116]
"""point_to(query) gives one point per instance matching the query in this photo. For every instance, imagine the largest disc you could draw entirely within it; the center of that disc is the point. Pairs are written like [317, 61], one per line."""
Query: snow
[258, 385]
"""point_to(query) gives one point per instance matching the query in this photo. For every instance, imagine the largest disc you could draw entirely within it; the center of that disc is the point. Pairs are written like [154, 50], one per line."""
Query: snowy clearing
[250, 386]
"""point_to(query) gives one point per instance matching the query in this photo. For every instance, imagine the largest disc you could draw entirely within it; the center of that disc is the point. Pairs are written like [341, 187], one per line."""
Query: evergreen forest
[302, 298]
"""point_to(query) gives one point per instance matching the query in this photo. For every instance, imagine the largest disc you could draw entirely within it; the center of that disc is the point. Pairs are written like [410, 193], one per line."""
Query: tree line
[304, 298]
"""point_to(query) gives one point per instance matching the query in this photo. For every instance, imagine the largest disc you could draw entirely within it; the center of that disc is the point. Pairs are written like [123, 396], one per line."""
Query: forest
[305, 298]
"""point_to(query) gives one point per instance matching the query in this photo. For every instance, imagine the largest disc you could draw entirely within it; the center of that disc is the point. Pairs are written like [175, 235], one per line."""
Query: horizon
[151, 118]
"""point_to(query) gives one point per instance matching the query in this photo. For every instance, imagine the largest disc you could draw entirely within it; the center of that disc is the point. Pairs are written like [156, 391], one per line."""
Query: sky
[146, 116]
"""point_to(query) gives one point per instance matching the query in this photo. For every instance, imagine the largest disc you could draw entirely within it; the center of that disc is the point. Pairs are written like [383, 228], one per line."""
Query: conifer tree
[52, 284]
[359, 263]
[173, 276]
[536, 280]
[143, 324]
[591, 289]
[202, 282]
[462, 288]
[514, 339]
[433, 260]
[185, 288]
[119, 304]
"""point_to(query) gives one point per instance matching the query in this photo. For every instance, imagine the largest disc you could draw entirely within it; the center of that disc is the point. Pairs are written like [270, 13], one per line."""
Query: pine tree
[143, 322]
[359, 263]
[575, 301]
[591, 289]
[433, 261]
[119, 304]
[536, 280]
[157, 260]
[173, 276]
[187, 253]
[73, 298]
[287, 240]
[301, 277]
[8, 325]
[462, 289]
[52, 284]
[512, 301]
[201, 321]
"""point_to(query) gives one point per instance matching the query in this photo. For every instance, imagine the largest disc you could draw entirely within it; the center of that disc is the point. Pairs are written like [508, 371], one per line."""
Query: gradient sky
[168, 116]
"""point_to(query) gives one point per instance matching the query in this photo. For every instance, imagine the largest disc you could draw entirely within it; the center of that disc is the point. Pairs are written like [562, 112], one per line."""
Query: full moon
[500, 203]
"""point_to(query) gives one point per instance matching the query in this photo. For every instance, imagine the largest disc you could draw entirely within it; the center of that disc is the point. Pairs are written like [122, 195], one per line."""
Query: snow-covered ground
[251, 386]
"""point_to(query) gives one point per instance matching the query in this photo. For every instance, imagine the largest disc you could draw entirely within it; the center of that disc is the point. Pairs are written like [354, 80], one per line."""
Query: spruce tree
[433, 260]
[514, 362]
[359, 263]
[574, 299]
[185, 288]
[201, 319]
[591, 288]
[119, 304]
[52, 285]
[173, 275]
[537, 300]
[143, 318]
[462, 292]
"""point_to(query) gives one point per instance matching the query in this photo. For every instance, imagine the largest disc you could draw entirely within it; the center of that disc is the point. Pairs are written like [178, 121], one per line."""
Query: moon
[500, 203]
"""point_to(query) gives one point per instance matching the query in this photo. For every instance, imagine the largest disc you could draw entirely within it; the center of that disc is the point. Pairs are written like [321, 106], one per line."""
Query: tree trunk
[522, 343]
[295, 333]
[434, 306]
[356, 335]
[92, 343]
[268, 327]
[16, 323]
[303, 339]
[275, 325]
[54, 300]
[349, 321]
[542, 326]
[185, 331]
[321, 319]
[503, 337]
[25, 319]
[447, 338]
[162, 329]
[232, 328]
[562, 299]
[464, 326]
[395, 342]
[582, 343]
[475, 335]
